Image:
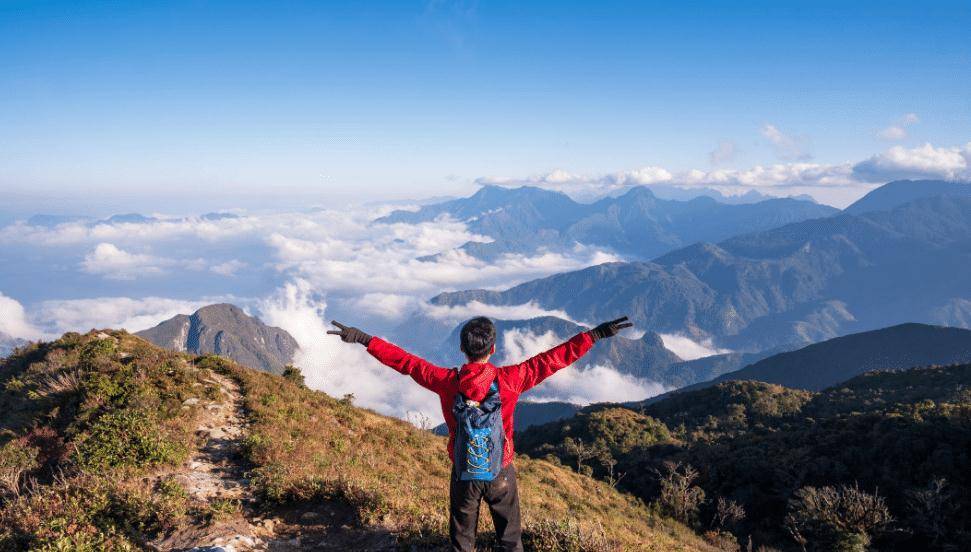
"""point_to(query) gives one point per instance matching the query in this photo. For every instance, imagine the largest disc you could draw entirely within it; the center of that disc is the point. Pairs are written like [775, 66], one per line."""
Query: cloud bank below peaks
[581, 383]
[339, 368]
[838, 184]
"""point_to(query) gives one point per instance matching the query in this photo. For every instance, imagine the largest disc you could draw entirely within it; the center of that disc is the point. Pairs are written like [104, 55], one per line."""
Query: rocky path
[215, 480]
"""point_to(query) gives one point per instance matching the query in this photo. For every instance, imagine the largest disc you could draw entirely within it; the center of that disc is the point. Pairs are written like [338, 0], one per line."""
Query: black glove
[609, 329]
[350, 334]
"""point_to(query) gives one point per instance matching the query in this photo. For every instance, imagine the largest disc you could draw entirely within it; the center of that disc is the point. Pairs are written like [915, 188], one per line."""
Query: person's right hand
[610, 329]
[350, 334]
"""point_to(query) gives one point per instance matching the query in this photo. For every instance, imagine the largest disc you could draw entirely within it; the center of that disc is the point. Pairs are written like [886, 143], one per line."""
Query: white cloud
[518, 344]
[580, 384]
[389, 306]
[689, 349]
[340, 368]
[116, 264]
[134, 232]
[837, 184]
[338, 251]
[893, 132]
[644, 176]
[81, 315]
[13, 320]
[786, 147]
[926, 161]
[782, 175]
[111, 262]
[833, 183]
[898, 130]
[391, 263]
[228, 268]
[592, 384]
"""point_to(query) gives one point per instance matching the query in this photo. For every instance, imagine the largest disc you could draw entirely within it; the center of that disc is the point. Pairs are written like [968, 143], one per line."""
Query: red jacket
[475, 379]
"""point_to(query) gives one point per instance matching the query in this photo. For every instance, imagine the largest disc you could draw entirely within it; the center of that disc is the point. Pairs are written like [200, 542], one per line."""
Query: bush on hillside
[840, 519]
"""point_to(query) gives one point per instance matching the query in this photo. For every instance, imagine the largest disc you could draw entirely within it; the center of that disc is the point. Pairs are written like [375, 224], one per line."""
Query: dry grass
[306, 446]
[98, 413]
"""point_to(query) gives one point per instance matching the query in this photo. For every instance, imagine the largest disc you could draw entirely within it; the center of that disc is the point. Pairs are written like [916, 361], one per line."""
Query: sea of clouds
[295, 270]
[298, 269]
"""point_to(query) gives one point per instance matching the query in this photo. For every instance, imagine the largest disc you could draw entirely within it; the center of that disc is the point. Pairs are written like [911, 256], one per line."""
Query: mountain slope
[525, 219]
[894, 440]
[894, 194]
[123, 438]
[830, 362]
[784, 287]
[226, 330]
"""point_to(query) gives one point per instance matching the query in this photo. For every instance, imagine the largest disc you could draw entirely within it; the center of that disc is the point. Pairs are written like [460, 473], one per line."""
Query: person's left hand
[610, 329]
[350, 334]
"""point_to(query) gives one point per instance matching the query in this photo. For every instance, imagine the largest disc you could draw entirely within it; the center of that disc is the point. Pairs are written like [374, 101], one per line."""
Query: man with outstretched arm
[478, 402]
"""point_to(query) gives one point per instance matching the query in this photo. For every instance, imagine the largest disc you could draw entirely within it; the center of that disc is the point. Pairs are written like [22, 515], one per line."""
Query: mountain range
[833, 361]
[51, 221]
[644, 357]
[226, 330]
[814, 367]
[896, 193]
[780, 288]
[635, 224]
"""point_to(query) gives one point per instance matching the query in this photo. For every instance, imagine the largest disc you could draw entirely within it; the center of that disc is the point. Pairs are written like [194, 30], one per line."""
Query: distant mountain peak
[226, 330]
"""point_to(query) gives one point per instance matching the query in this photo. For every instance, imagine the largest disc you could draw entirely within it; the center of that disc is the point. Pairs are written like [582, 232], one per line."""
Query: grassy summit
[110, 443]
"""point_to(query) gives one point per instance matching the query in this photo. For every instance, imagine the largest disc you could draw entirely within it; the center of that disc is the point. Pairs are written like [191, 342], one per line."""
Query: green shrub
[126, 439]
[294, 375]
[15, 460]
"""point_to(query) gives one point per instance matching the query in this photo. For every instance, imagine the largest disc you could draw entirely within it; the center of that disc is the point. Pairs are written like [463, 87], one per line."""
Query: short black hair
[478, 337]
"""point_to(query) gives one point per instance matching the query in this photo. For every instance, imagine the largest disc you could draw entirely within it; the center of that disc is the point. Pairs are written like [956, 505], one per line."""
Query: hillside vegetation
[880, 461]
[101, 447]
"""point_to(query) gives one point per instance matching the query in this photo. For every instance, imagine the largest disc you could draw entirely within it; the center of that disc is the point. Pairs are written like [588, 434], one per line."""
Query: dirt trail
[215, 479]
[214, 476]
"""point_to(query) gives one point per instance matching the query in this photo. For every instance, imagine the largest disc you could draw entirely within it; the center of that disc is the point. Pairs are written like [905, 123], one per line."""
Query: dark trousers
[502, 496]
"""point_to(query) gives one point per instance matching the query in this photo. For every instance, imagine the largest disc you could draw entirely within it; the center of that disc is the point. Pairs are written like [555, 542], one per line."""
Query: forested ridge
[880, 461]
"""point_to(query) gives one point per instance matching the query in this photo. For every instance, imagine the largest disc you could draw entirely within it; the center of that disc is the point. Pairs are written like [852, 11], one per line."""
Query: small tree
[419, 420]
[15, 459]
[680, 497]
[294, 375]
[728, 513]
[583, 452]
[609, 463]
[931, 509]
[836, 519]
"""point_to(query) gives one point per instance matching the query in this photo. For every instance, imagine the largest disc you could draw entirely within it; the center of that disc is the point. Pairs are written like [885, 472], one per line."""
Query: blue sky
[144, 103]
